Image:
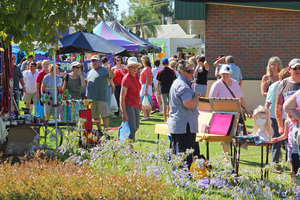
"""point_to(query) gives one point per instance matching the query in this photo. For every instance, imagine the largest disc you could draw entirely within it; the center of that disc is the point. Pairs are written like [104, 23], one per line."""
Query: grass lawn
[146, 140]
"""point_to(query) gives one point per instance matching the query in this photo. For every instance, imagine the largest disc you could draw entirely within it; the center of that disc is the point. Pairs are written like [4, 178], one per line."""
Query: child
[291, 126]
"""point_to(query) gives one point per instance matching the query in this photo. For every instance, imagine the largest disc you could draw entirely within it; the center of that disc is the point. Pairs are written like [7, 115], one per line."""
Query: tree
[50, 17]
[113, 11]
[163, 9]
[142, 18]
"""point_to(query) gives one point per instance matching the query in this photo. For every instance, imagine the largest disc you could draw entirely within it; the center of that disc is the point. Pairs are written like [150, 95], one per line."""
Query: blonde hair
[173, 64]
[193, 61]
[45, 62]
[271, 61]
[268, 128]
[284, 73]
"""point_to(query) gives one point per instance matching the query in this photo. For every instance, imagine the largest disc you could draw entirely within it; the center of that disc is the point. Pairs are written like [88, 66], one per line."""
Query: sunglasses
[94, 60]
[191, 71]
[118, 60]
[134, 67]
[295, 68]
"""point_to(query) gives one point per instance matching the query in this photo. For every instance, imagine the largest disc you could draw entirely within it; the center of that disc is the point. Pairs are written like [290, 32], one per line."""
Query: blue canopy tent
[126, 33]
[106, 32]
[88, 42]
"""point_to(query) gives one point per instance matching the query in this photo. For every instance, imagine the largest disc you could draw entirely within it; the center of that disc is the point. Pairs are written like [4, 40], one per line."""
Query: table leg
[237, 162]
[207, 150]
[234, 156]
[267, 161]
[262, 161]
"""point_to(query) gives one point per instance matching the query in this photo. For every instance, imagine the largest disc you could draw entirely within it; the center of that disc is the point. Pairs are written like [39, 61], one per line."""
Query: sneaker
[145, 119]
[115, 116]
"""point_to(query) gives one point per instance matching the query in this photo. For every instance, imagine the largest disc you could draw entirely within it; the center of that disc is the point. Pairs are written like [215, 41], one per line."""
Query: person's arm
[283, 136]
[216, 64]
[196, 71]
[37, 87]
[290, 106]
[122, 103]
[112, 86]
[43, 88]
[267, 104]
[206, 65]
[278, 108]
[245, 107]
[111, 73]
[241, 82]
[191, 102]
[217, 74]
[158, 87]
[82, 79]
[64, 85]
[264, 85]
[23, 85]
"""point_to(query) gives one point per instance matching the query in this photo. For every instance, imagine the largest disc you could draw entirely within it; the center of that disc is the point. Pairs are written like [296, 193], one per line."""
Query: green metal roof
[189, 10]
[295, 6]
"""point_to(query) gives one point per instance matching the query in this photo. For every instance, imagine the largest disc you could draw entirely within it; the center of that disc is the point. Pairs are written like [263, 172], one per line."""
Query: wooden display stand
[20, 137]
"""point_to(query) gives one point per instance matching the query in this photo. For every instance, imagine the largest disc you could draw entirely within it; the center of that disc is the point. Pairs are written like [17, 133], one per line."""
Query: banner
[66, 66]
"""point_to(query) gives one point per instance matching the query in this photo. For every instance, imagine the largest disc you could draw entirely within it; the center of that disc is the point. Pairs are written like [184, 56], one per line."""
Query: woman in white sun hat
[130, 96]
[227, 87]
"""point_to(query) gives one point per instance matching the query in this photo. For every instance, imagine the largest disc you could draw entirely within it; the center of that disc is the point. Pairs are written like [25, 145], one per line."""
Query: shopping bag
[113, 106]
[155, 102]
[124, 131]
[39, 110]
[146, 103]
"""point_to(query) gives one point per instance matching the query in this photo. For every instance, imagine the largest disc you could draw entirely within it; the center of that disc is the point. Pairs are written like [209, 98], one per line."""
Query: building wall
[251, 36]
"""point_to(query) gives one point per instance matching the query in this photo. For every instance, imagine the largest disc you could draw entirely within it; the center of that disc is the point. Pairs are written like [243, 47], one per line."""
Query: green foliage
[141, 16]
[47, 16]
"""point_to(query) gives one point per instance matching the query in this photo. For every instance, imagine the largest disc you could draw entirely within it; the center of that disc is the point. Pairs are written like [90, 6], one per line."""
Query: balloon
[161, 55]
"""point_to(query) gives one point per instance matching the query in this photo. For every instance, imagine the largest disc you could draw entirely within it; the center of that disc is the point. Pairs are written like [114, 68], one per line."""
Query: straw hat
[132, 61]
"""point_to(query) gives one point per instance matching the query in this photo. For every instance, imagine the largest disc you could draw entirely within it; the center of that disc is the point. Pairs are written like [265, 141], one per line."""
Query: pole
[55, 97]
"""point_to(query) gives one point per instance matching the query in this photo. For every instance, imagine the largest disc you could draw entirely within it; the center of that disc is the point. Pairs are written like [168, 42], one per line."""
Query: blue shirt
[236, 73]
[271, 98]
[180, 115]
[97, 84]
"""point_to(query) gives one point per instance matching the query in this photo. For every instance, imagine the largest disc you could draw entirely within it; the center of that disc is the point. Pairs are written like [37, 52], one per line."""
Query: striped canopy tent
[106, 32]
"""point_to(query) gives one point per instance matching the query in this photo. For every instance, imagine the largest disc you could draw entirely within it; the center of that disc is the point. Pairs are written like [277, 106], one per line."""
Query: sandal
[145, 119]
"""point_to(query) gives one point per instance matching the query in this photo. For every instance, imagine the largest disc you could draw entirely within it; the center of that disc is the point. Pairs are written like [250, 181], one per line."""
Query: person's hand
[249, 114]
[24, 90]
[280, 130]
[37, 95]
[124, 117]
[79, 73]
[274, 140]
[158, 91]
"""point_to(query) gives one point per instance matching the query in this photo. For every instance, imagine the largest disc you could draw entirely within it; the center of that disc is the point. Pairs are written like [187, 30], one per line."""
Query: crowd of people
[176, 83]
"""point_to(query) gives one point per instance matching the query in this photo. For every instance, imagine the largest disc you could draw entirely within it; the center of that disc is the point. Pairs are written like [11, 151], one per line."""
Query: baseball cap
[293, 63]
[165, 61]
[219, 57]
[225, 69]
[94, 57]
[75, 63]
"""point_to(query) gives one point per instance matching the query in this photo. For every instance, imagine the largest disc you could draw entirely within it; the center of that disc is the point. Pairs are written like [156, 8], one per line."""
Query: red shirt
[40, 78]
[133, 86]
[146, 72]
[118, 76]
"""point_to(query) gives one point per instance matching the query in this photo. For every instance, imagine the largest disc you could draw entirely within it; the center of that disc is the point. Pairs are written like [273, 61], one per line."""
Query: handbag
[39, 110]
[221, 124]
[113, 106]
[244, 115]
[155, 102]
[124, 132]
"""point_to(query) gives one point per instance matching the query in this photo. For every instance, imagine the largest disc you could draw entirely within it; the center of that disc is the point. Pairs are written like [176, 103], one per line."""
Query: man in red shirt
[40, 77]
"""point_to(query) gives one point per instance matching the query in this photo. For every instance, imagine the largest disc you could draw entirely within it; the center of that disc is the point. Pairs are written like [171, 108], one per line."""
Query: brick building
[250, 32]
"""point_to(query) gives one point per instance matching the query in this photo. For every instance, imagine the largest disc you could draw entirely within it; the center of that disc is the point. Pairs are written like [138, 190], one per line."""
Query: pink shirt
[218, 89]
[146, 72]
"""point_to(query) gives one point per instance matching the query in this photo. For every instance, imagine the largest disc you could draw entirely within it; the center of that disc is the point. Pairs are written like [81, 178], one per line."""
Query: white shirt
[29, 80]
[154, 74]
